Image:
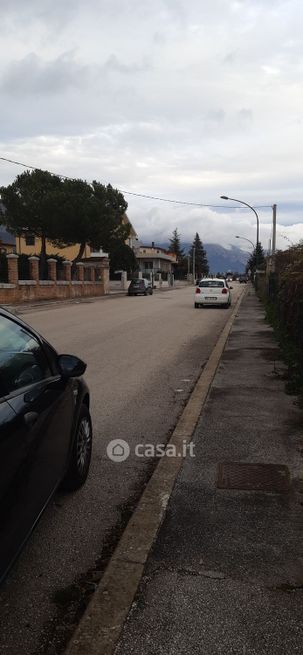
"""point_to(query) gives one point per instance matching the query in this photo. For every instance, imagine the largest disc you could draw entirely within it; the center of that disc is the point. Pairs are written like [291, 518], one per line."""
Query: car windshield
[212, 283]
[137, 283]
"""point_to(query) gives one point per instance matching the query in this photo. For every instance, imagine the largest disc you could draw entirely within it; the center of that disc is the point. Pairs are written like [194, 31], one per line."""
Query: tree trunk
[78, 257]
[43, 262]
[80, 252]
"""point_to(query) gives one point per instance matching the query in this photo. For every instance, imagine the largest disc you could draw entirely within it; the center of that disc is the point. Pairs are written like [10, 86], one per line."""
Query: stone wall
[20, 291]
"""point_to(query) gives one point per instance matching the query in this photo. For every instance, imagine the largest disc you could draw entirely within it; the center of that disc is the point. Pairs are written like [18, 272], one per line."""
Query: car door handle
[30, 418]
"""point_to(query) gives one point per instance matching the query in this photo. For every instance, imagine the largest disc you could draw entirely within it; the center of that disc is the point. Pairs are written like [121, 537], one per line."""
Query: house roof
[160, 255]
[155, 252]
[6, 237]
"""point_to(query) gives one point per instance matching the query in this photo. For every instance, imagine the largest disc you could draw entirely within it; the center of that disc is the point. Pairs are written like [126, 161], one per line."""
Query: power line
[137, 195]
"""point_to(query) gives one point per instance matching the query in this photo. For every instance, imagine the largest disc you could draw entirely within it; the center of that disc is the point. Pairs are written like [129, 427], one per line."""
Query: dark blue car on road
[45, 430]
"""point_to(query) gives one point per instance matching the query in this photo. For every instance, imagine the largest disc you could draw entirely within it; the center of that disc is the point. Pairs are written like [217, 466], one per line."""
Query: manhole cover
[253, 477]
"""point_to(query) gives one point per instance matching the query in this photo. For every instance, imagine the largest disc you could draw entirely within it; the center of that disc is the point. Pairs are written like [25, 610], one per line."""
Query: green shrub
[285, 311]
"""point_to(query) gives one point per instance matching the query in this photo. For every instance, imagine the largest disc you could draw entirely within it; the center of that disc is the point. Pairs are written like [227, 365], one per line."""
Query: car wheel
[197, 305]
[145, 293]
[79, 462]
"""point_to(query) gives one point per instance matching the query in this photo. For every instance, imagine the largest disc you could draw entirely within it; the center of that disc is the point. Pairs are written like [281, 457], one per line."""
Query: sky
[180, 99]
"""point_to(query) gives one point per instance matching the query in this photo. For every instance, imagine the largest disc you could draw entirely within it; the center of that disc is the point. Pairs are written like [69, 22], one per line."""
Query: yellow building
[132, 240]
[30, 245]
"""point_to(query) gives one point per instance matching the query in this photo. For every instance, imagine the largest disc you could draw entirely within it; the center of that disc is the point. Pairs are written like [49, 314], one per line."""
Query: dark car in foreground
[45, 430]
[140, 286]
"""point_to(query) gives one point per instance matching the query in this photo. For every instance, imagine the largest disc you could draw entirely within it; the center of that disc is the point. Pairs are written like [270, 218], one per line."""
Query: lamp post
[245, 239]
[250, 207]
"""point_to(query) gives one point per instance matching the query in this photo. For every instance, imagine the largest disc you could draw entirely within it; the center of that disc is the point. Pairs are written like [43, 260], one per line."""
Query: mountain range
[221, 259]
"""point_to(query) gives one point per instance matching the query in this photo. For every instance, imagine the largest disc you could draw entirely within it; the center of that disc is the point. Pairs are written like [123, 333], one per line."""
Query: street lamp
[245, 239]
[250, 207]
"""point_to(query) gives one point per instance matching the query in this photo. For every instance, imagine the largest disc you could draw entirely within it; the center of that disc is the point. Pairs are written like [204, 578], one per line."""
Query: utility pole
[274, 228]
[194, 265]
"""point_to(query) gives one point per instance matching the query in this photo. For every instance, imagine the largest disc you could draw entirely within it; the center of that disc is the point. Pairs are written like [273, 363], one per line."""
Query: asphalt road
[144, 355]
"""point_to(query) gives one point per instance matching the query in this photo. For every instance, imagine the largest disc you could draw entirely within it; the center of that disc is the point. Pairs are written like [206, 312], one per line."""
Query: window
[137, 283]
[215, 284]
[30, 240]
[22, 360]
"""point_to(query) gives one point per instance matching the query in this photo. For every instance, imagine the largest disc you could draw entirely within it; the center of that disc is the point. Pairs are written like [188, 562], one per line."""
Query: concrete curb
[101, 624]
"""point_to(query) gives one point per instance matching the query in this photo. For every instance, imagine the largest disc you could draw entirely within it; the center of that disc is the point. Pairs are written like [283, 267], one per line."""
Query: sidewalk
[225, 574]
[20, 308]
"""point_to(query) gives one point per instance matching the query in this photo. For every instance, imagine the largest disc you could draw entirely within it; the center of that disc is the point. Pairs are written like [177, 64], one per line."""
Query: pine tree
[256, 260]
[201, 263]
[175, 245]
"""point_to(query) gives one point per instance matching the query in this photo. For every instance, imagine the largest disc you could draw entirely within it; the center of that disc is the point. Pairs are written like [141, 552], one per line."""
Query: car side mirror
[71, 366]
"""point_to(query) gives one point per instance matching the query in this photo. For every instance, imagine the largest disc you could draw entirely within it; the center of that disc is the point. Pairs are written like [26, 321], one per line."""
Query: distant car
[140, 286]
[212, 291]
[243, 279]
[45, 430]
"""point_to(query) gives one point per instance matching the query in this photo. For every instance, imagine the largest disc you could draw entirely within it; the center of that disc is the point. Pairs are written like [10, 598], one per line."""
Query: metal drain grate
[253, 477]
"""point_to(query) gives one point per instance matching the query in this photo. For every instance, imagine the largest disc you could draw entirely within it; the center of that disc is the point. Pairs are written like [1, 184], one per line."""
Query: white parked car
[212, 291]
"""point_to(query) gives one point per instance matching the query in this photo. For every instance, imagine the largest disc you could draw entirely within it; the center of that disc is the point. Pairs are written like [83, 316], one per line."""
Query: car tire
[145, 293]
[78, 466]
[197, 305]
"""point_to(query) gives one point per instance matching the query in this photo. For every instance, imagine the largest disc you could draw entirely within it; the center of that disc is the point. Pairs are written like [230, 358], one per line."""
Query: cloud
[114, 64]
[186, 100]
[33, 76]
